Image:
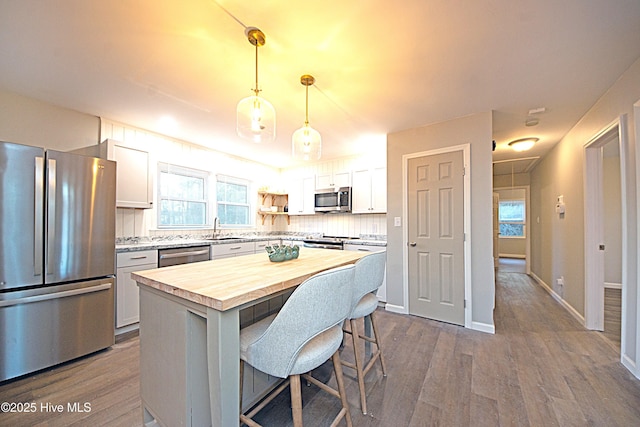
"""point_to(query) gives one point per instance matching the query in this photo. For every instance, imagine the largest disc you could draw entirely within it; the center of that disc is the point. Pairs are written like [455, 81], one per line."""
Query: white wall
[475, 130]
[612, 211]
[30, 122]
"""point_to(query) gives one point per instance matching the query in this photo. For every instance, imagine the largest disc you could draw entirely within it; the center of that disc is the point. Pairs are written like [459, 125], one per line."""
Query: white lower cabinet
[228, 250]
[382, 290]
[261, 245]
[127, 296]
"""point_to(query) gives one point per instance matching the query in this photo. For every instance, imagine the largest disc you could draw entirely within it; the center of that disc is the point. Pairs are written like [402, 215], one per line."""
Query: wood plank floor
[541, 368]
[612, 315]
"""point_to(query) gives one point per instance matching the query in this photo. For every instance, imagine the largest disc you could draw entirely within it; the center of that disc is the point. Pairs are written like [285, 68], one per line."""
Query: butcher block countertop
[226, 283]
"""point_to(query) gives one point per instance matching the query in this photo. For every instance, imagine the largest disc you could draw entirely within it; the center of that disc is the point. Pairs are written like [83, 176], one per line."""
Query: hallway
[541, 368]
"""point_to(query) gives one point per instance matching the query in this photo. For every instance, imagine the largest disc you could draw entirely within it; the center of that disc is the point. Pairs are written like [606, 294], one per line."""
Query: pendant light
[256, 117]
[306, 141]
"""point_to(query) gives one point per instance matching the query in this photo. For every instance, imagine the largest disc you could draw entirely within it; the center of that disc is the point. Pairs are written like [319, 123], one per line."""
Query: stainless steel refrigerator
[57, 257]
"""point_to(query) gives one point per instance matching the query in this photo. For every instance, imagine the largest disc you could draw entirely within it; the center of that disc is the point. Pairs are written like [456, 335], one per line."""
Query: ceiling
[180, 67]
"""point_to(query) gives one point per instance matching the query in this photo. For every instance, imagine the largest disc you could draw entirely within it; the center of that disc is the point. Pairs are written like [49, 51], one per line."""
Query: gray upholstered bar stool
[305, 333]
[369, 275]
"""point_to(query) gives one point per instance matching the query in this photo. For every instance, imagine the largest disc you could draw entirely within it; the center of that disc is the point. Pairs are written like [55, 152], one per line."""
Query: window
[183, 197]
[511, 215]
[232, 195]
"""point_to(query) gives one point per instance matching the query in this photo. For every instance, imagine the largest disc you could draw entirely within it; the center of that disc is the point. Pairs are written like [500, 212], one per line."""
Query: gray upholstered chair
[304, 334]
[369, 275]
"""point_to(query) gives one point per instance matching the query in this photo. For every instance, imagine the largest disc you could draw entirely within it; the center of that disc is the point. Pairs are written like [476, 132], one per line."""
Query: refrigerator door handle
[51, 215]
[62, 294]
[38, 203]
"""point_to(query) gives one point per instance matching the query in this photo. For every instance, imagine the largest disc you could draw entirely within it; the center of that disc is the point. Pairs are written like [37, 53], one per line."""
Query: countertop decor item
[279, 253]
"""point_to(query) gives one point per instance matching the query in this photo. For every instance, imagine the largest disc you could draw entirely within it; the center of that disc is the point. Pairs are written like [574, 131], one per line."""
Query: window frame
[228, 179]
[164, 167]
[523, 222]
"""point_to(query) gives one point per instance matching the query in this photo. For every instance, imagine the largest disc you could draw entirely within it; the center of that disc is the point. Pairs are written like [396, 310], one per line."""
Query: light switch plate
[397, 221]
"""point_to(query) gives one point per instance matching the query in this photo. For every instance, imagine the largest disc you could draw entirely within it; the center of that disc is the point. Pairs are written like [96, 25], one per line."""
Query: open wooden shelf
[265, 195]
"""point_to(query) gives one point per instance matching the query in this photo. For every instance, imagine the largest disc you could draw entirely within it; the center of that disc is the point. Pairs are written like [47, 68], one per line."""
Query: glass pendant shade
[256, 119]
[307, 143]
[255, 116]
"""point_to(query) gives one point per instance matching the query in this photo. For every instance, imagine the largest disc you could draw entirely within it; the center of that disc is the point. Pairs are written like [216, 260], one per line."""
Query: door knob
[412, 244]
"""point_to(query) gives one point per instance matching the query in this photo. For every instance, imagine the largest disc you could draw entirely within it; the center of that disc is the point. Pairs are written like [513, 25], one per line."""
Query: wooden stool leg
[296, 400]
[377, 338]
[337, 367]
[359, 372]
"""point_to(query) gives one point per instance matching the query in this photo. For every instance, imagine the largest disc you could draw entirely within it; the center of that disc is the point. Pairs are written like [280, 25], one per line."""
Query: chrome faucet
[215, 228]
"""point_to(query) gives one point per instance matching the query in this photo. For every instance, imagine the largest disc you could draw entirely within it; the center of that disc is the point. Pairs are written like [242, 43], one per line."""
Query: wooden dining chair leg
[296, 400]
[377, 338]
[359, 368]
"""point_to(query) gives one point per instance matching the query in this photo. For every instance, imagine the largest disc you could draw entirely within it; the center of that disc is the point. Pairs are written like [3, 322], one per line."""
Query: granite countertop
[143, 244]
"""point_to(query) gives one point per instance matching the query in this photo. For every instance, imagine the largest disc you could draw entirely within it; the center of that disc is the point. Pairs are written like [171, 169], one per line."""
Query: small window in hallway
[511, 215]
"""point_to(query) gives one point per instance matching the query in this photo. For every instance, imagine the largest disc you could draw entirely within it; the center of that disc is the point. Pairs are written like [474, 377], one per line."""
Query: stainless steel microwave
[333, 200]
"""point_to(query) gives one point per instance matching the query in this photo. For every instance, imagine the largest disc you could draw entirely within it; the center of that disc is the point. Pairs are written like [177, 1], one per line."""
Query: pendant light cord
[230, 14]
[306, 114]
[256, 90]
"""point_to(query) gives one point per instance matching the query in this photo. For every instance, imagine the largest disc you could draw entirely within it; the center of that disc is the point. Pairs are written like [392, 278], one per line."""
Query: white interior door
[436, 236]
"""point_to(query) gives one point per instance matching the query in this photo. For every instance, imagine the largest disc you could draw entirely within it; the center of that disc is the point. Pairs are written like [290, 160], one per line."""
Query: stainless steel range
[326, 242]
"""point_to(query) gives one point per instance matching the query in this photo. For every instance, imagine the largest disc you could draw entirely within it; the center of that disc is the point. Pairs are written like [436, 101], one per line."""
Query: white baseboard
[630, 365]
[565, 304]
[396, 308]
[483, 327]
[128, 328]
[610, 285]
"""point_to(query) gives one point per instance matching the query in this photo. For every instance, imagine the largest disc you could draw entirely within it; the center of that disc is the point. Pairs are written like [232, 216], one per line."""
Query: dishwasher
[186, 255]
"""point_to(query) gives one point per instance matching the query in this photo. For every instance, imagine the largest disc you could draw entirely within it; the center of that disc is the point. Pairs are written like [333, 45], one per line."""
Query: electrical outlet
[560, 281]
[397, 221]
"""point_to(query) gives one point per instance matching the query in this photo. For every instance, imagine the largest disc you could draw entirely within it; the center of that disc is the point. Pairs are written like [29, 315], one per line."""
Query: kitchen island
[190, 327]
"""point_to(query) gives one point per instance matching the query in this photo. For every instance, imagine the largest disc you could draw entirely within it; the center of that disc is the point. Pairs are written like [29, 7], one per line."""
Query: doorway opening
[605, 229]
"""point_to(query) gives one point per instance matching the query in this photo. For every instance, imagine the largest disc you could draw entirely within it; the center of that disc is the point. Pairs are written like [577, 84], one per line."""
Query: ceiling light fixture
[306, 141]
[523, 144]
[256, 117]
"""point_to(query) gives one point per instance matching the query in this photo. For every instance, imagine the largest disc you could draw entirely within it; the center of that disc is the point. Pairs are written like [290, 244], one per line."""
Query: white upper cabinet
[134, 183]
[302, 195]
[332, 175]
[369, 192]
[134, 177]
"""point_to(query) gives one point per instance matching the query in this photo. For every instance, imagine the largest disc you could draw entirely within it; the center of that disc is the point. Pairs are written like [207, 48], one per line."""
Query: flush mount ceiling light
[523, 144]
[306, 141]
[256, 117]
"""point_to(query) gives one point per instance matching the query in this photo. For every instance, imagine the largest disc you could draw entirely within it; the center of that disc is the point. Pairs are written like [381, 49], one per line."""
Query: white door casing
[496, 229]
[436, 218]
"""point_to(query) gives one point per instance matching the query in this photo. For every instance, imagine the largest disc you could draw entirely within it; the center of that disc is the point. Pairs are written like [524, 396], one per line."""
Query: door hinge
[465, 303]
[464, 171]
